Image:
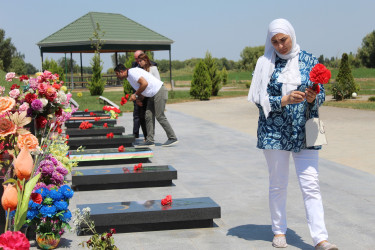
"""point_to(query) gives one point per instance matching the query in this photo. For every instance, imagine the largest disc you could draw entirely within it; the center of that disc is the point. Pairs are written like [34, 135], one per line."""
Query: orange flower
[6, 127]
[6, 104]
[27, 140]
[23, 164]
[9, 199]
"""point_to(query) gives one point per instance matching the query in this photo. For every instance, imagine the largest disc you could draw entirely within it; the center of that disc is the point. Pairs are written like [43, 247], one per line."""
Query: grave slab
[110, 156]
[83, 113]
[123, 177]
[89, 118]
[76, 123]
[93, 142]
[77, 132]
[150, 215]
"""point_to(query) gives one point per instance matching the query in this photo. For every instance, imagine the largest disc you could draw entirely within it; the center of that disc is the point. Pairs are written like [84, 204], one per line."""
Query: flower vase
[47, 241]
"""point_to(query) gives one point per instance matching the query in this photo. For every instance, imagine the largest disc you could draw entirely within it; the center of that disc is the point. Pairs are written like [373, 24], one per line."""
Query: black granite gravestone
[110, 156]
[123, 177]
[77, 132]
[76, 123]
[93, 142]
[149, 215]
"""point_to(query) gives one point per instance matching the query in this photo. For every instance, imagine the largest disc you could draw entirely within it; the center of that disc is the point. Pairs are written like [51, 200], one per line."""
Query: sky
[222, 27]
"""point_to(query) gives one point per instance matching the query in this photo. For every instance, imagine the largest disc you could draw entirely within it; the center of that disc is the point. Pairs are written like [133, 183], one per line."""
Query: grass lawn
[353, 104]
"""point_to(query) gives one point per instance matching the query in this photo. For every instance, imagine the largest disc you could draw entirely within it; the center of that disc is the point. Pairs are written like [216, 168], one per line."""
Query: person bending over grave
[146, 85]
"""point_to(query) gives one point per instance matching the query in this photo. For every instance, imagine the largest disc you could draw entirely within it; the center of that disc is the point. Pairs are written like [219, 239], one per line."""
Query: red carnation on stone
[121, 148]
[110, 135]
[167, 200]
[97, 119]
[86, 110]
[105, 125]
[137, 167]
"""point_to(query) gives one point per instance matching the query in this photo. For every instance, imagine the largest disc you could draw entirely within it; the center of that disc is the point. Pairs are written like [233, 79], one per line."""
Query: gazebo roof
[121, 34]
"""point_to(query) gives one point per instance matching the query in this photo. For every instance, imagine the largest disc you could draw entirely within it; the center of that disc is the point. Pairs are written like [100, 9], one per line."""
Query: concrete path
[216, 157]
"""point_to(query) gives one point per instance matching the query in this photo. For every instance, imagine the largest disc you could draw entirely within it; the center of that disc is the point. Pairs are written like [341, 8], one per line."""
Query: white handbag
[314, 130]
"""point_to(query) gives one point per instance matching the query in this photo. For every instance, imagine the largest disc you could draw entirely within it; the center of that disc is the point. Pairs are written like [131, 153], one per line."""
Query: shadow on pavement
[263, 232]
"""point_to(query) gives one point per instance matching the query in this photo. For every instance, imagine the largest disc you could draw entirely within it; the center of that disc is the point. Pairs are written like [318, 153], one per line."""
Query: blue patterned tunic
[284, 129]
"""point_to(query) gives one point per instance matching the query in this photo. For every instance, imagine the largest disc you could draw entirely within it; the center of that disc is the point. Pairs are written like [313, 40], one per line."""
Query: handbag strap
[308, 109]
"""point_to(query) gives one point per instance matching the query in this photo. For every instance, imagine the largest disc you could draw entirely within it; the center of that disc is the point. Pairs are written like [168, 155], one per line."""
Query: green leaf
[11, 180]
[19, 220]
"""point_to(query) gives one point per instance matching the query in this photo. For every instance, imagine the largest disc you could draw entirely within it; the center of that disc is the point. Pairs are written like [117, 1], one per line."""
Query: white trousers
[306, 164]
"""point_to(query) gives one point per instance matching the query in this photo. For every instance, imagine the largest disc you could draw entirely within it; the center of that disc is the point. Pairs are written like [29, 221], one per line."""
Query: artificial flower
[37, 105]
[23, 164]
[7, 127]
[105, 125]
[121, 148]
[86, 110]
[14, 241]
[14, 86]
[79, 94]
[9, 199]
[41, 122]
[110, 135]
[92, 114]
[29, 98]
[36, 198]
[85, 125]
[28, 141]
[64, 88]
[24, 78]
[9, 76]
[14, 93]
[97, 119]
[6, 104]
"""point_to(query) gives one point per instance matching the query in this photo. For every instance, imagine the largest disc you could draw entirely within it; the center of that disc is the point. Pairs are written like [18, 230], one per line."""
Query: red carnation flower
[105, 125]
[167, 200]
[86, 110]
[85, 125]
[59, 112]
[319, 74]
[29, 98]
[56, 86]
[110, 135]
[97, 119]
[113, 231]
[127, 96]
[137, 167]
[41, 122]
[14, 240]
[59, 130]
[121, 148]
[67, 137]
[14, 86]
[24, 77]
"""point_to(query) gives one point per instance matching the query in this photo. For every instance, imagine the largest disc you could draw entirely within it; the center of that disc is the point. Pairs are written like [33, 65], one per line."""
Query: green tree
[7, 51]
[344, 85]
[224, 76]
[201, 86]
[213, 73]
[97, 83]
[18, 66]
[367, 52]
[121, 58]
[250, 56]
[30, 69]
[128, 89]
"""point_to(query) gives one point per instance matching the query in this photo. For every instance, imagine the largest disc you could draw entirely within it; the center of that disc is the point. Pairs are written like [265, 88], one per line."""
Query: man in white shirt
[146, 85]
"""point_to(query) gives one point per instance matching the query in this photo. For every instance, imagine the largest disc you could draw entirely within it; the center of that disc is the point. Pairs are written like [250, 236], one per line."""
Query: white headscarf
[290, 76]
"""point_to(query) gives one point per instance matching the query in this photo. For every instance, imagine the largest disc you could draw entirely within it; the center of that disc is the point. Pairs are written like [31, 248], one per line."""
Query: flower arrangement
[319, 74]
[113, 111]
[48, 209]
[83, 222]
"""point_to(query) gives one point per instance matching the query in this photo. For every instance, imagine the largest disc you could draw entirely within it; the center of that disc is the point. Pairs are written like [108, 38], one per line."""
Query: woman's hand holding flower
[310, 95]
[293, 98]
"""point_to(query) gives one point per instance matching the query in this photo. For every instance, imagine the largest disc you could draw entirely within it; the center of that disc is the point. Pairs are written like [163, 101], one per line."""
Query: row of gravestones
[128, 216]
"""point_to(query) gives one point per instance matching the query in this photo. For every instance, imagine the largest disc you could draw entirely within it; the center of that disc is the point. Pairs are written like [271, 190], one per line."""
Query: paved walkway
[217, 157]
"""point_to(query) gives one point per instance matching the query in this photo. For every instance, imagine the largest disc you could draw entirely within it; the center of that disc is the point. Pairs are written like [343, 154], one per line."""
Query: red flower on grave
[92, 114]
[59, 130]
[97, 119]
[113, 231]
[86, 110]
[105, 125]
[319, 74]
[167, 200]
[137, 167]
[121, 148]
[110, 135]
[67, 137]
[127, 96]
[126, 170]
[123, 101]
[85, 125]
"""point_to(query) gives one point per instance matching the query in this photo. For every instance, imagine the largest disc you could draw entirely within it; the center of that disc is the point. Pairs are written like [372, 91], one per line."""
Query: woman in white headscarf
[280, 89]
